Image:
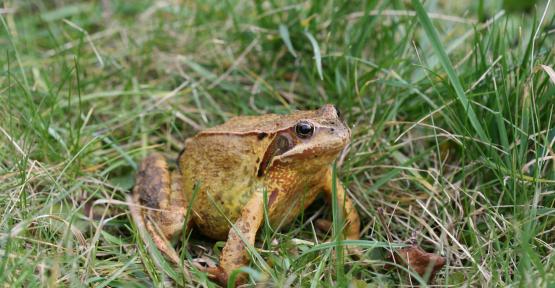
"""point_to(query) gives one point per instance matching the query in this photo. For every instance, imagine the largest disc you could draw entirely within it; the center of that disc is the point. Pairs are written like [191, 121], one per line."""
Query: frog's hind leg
[158, 204]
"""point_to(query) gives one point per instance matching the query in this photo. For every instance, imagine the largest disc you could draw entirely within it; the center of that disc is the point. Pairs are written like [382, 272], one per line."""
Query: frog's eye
[304, 129]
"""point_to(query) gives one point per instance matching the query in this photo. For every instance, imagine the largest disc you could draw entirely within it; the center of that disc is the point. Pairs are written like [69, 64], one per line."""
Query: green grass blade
[284, 33]
[317, 54]
[446, 63]
[337, 213]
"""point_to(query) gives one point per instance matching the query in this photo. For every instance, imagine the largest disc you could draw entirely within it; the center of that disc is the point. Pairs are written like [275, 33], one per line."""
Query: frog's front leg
[352, 229]
[235, 253]
[158, 203]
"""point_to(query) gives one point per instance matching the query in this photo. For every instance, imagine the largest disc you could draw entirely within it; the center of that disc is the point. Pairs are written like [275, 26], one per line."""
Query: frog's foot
[217, 274]
[158, 205]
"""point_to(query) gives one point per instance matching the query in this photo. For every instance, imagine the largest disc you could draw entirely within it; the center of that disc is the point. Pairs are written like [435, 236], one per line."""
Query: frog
[232, 178]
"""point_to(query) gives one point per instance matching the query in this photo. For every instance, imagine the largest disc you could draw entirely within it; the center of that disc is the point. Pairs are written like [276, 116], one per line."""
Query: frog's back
[265, 124]
[224, 166]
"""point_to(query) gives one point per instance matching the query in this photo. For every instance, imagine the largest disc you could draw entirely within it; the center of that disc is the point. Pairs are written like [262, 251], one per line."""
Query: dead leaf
[419, 261]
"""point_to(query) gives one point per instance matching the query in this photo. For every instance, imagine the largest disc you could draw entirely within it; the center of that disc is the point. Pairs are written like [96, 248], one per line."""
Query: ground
[450, 104]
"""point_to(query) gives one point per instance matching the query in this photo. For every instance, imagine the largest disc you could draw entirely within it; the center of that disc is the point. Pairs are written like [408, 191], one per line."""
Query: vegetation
[451, 105]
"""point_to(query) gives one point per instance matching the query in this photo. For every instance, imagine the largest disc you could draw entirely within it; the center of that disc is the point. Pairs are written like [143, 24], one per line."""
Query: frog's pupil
[304, 129]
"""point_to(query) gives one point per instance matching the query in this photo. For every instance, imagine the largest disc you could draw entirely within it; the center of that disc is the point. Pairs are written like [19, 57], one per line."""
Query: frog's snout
[329, 111]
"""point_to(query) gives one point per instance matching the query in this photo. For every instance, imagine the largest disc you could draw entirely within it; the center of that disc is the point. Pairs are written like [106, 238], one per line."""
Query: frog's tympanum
[229, 171]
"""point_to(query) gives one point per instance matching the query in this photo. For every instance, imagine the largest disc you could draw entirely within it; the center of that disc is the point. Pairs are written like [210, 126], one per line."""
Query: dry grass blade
[550, 72]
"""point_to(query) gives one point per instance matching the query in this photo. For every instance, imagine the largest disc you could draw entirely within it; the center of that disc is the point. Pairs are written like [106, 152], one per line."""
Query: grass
[450, 109]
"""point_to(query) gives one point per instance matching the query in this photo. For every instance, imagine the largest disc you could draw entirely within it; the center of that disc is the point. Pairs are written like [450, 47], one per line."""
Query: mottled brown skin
[233, 167]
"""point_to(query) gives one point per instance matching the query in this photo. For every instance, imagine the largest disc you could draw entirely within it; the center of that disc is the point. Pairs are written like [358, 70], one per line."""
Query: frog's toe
[219, 275]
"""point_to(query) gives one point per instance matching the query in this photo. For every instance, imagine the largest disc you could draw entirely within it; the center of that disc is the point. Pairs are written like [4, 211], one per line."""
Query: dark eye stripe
[279, 145]
[304, 129]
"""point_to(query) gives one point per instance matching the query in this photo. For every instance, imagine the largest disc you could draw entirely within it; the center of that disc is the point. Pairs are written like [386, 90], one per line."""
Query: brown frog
[228, 171]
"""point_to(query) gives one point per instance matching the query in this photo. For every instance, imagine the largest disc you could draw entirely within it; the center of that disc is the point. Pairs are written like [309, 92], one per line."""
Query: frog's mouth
[306, 151]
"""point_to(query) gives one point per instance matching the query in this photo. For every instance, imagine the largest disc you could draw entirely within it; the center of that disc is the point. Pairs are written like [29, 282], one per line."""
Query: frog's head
[312, 139]
[323, 132]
